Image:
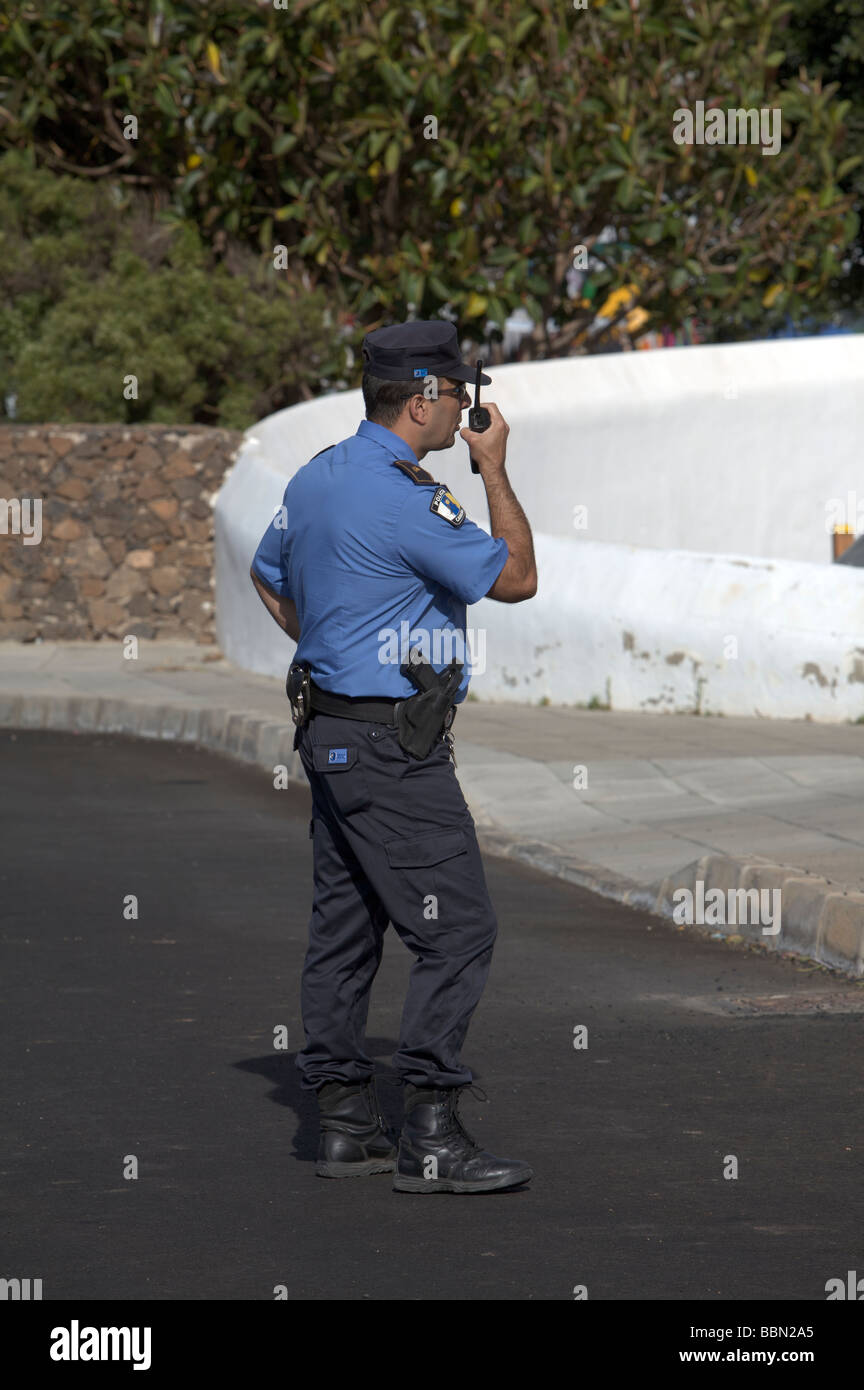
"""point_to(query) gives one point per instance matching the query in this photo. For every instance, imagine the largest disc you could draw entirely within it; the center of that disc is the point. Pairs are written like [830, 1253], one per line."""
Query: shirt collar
[394, 443]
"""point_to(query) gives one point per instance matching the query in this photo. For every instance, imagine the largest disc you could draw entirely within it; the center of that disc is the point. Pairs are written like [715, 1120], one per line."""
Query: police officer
[371, 554]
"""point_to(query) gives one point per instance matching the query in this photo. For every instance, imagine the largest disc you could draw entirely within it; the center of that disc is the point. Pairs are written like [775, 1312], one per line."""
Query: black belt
[380, 711]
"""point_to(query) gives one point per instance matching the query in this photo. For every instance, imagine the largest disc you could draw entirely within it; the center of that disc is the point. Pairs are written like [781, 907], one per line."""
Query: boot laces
[456, 1096]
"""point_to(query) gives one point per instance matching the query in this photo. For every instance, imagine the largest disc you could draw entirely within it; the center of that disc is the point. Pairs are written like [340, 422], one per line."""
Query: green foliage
[826, 43]
[306, 126]
[596, 703]
[95, 292]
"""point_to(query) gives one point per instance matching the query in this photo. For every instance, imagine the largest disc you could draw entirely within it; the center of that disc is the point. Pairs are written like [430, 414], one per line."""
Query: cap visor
[466, 373]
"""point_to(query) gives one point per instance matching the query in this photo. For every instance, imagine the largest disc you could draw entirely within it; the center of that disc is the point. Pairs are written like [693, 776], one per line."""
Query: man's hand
[518, 579]
[489, 447]
[280, 607]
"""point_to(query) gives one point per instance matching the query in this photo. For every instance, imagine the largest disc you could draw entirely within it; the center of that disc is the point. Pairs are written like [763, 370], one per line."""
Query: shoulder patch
[445, 504]
[417, 474]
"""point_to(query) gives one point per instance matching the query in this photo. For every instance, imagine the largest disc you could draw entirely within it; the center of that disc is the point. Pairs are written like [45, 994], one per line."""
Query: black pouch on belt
[299, 691]
[422, 718]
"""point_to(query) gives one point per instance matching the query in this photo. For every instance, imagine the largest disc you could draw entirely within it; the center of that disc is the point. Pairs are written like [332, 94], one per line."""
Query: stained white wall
[676, 632]
[732, 451]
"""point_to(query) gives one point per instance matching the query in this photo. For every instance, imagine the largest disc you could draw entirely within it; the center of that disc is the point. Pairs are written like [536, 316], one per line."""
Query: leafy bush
[307, 125]
[95, 291]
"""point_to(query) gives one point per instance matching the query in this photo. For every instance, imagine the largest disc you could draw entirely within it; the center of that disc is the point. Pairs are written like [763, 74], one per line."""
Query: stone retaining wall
[126, 522]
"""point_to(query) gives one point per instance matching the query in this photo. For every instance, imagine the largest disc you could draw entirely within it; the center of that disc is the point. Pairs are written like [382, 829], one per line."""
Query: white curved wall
[679, 632]
[714, 449]
[652, 445]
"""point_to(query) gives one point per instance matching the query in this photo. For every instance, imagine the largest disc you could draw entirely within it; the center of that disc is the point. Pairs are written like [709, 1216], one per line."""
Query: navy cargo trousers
[393, 841]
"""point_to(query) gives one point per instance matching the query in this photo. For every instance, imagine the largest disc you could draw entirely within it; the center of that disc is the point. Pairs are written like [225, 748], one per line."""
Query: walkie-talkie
[479, 418]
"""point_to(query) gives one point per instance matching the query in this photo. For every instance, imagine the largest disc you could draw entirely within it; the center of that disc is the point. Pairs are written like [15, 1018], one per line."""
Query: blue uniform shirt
[372, 568]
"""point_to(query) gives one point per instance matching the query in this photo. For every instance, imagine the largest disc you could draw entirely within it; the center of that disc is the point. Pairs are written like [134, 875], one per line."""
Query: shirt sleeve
[270, 559]
[463, 558]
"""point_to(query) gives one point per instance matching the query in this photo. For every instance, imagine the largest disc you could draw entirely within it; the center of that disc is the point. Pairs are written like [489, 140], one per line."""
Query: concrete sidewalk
[632, 806]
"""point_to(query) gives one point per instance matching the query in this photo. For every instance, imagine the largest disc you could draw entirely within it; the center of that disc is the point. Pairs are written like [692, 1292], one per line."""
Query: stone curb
[237, 734]
[818, 921]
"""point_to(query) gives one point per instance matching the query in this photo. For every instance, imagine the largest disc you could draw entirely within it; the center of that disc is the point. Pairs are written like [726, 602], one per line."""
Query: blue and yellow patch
[444, 504]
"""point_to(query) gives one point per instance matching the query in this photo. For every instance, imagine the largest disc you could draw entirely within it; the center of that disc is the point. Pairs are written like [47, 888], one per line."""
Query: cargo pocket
[342, 776]
[422, 851]
[446, 865]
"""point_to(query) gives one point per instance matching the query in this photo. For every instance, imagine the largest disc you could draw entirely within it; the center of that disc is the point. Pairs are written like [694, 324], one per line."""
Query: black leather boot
[354, 1139]
[437, 1154]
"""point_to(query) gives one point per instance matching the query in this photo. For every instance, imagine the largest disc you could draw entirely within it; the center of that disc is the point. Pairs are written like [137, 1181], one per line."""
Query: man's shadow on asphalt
[281, 1071]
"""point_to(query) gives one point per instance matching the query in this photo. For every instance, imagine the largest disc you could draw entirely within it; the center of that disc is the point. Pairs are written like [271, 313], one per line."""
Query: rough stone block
[10, 710]
[144, 719]
[34, 711]
[191, 731]
[233, 737]
[173, 720]
[803, 901]
[842, 931]
[684, 877]
[212, 727]
[113, 717]
[719, 871]
[59, 714]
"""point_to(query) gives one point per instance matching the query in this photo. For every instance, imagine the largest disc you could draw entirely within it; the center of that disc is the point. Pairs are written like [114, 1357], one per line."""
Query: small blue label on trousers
[337, 755]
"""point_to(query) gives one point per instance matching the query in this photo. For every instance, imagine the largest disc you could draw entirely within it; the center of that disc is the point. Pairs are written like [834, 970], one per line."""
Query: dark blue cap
[413, 350]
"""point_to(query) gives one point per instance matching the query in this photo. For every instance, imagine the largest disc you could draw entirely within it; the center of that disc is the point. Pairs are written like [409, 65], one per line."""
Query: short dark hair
[385, 400]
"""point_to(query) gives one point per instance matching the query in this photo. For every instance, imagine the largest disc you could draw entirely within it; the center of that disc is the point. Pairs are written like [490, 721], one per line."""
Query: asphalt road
[153, 1038]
